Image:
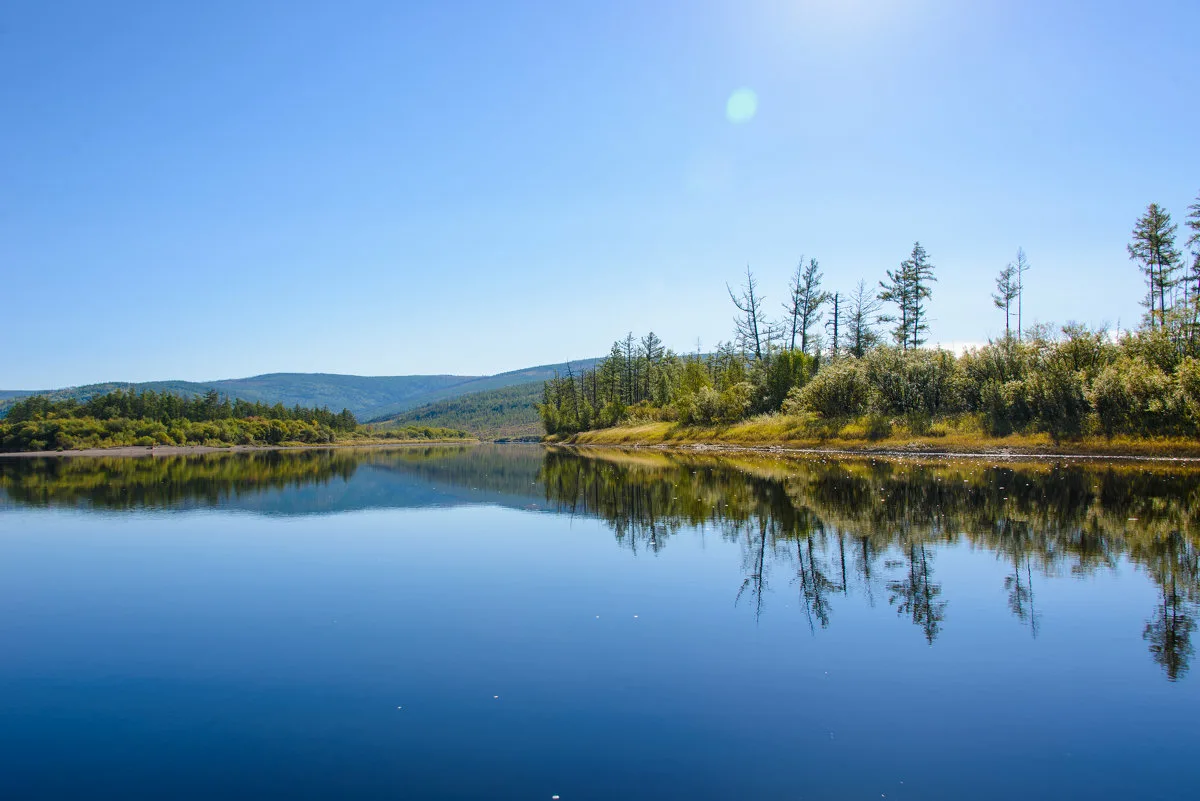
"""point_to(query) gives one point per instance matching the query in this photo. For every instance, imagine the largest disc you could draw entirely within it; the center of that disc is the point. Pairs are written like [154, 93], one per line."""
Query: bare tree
[751, 328]
[832, 325]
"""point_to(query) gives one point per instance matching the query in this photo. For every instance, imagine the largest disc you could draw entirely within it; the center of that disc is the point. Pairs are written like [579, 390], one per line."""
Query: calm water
[518, 623]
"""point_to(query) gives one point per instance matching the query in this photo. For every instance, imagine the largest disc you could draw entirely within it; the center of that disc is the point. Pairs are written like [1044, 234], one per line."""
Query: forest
[149, 418]
[854, 364]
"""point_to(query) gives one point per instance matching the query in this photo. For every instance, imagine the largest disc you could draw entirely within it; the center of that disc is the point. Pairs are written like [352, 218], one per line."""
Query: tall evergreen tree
[1153, 248]
[909, 288]
[804, 302]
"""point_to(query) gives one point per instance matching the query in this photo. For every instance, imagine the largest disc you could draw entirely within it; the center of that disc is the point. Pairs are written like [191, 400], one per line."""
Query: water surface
[517, 622]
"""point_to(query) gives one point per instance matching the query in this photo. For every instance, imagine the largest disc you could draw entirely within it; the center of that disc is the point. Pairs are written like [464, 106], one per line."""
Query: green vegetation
[150, 418]
[508, 412]
[367, 397]
[1073, 384]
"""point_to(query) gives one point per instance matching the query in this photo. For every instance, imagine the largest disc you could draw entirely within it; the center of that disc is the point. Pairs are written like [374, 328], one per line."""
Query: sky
[220, 189]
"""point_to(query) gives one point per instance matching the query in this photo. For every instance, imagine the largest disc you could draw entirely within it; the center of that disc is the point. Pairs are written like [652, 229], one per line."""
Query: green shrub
[840, 389]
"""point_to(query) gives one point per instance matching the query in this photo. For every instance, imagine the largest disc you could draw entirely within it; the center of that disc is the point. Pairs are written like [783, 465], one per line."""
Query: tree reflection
[1174, 563]
[917, 595]
[869, 526]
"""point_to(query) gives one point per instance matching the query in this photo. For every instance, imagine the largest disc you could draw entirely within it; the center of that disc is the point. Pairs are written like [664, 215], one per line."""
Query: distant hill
[505, 412]
[369, 397]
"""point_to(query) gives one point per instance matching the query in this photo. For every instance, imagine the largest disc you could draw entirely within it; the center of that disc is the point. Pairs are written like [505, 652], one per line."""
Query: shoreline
[666, 437]
[1005, 455]
[131, 451]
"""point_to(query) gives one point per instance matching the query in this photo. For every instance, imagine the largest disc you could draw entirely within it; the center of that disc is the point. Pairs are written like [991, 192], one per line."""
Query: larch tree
[652, 349]
[1193, 244]
[1020, 266]
[1005, 294]
[909, 288]
[804, 303]
[1153, 249]
[752, 327]
[861, 315]
[833, 325]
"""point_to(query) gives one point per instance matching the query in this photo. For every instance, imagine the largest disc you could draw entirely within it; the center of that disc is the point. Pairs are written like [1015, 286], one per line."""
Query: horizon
[376, 191]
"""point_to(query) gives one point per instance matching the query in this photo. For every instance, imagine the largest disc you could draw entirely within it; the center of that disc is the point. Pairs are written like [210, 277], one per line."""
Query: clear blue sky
[217, 189]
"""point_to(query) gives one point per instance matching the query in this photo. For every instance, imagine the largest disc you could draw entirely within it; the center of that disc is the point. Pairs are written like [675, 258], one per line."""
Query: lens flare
[741, 106]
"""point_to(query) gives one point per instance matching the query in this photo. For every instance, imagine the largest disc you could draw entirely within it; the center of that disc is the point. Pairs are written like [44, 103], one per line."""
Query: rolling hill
[505, 412]
[368, 397]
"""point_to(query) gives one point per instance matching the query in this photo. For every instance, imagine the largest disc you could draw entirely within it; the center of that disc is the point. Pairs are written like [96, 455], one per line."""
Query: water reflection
[875, 526]
[821, 533]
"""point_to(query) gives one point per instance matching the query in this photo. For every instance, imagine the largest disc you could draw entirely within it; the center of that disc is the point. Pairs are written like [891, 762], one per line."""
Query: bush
[1057, 400]
[1132, 397]
[908, 382]
[840, 389]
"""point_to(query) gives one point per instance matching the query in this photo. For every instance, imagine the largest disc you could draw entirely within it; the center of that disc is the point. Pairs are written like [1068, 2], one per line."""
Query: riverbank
[189, 450]
[776, 434]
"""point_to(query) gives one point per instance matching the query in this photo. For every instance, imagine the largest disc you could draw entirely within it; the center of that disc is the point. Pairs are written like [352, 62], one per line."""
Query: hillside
[368, 397]
[505, 412]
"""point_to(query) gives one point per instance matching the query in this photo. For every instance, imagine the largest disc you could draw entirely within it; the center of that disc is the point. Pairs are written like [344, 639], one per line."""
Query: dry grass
[958, 435]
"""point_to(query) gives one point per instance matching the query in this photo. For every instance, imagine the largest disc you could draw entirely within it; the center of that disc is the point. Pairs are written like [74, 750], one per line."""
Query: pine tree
[1153, 248]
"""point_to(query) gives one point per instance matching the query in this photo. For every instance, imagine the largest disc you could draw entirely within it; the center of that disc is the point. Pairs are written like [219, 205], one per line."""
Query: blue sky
[218, 189]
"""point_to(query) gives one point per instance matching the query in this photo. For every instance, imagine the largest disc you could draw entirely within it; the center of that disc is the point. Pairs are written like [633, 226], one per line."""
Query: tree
[628, 355]
[1021, 266]
[750, 326]
[908, 287]
[1192, 285]
[1005, 294]
[834, 326]
[652, 349]
[1153, 248]
[861, 317]
[805, 302]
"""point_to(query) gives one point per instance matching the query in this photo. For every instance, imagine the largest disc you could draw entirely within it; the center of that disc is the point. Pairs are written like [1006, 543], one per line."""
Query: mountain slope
[368, 397]
[527, 375]
[505, 412]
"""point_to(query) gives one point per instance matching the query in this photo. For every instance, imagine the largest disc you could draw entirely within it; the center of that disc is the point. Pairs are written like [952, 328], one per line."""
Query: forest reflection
[871, 528]
[824, 532]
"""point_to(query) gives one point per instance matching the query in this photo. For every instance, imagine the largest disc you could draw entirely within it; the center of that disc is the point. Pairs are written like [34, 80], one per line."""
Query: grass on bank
[956, 434]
